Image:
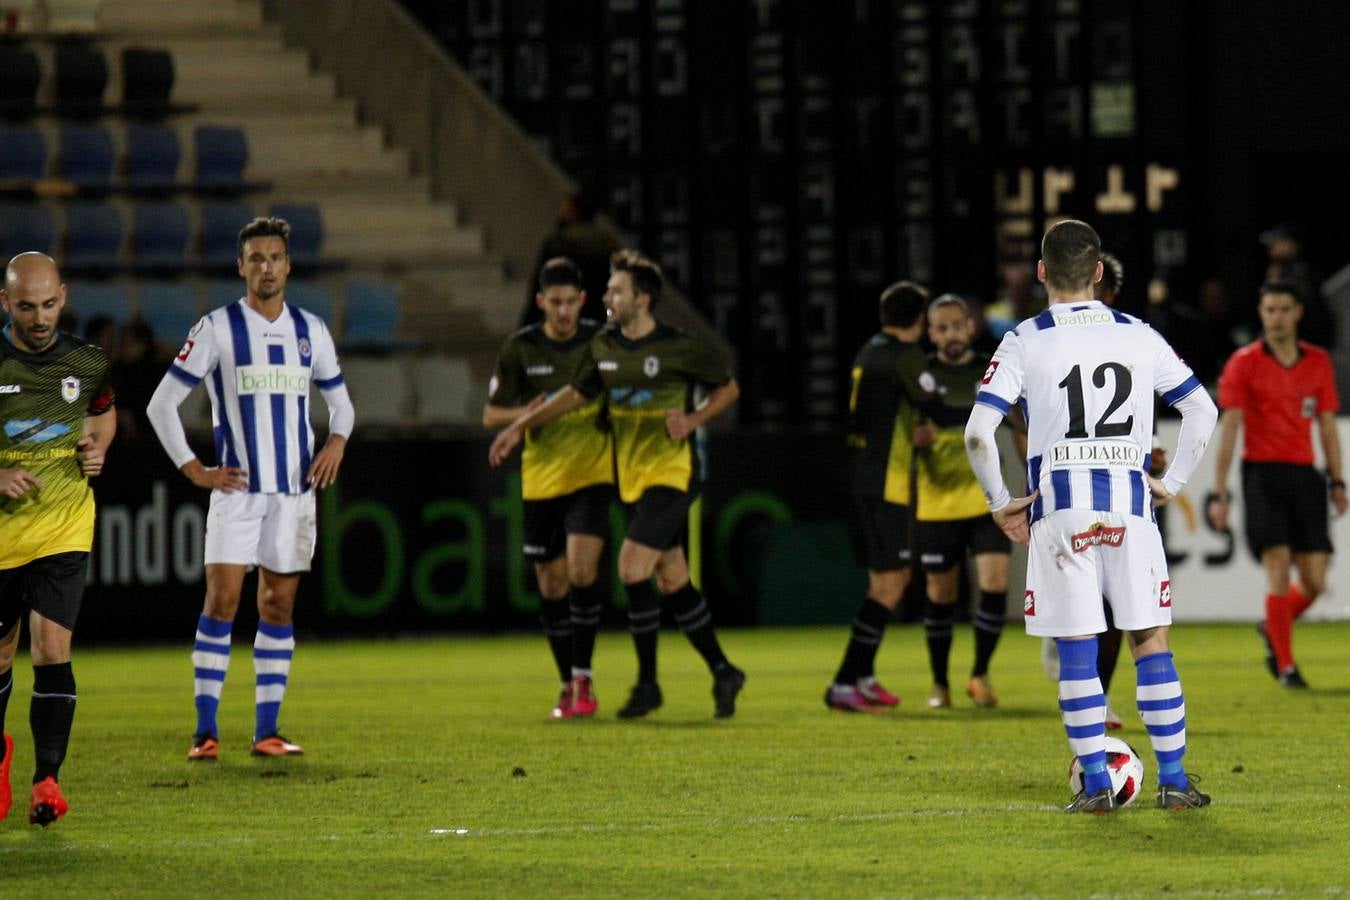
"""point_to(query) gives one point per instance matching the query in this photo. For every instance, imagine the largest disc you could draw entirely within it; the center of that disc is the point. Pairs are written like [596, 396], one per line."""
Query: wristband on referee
[1337, 483]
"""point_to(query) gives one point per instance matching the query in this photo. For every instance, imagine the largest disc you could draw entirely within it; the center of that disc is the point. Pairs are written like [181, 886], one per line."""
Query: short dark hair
[265, 226]
[560, 271]
[902, 303]
[1113, 273]
[950, 300]
[1071, 251]
[1282, 286]
[646, 275]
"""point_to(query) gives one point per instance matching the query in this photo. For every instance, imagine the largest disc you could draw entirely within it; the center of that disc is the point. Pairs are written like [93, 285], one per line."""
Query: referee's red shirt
[1279, 403]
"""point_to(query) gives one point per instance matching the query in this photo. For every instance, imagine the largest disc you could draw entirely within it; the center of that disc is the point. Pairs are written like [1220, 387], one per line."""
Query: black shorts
[51, 586]
[880, 534]
[659, 517]
[1285, 505]
[943, 545]
[549, 522]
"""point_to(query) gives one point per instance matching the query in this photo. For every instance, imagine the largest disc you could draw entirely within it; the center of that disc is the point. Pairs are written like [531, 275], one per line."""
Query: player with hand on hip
[1086, 375]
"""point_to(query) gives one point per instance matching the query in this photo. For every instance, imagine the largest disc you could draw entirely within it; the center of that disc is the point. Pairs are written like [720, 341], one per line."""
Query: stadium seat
[306, 222]
[147, 81]
[220, 231]
[445, 390]
[85, 155]
[86, 299]
[153, 155]
[370, 314]
[159, 234]
[20, 78]
[379, 388]
[26, 227]
[23, 153]
[223, 291]
[312, 296]
[222, 154]
[170, 308]
[81, 79]
[94, 234]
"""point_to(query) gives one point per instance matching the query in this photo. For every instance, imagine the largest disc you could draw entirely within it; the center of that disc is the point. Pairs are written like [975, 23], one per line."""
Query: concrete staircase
[312, 147]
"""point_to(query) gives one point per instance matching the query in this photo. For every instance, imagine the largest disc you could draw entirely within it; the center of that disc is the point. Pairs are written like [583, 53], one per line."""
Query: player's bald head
[29, 267]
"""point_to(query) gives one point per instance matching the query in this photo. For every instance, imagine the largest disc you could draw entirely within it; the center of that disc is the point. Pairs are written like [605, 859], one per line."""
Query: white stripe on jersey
[258, 375]
[1086, 376]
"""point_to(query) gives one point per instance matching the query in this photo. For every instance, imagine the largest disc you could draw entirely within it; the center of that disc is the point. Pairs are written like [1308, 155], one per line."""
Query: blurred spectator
[1218, 332]
[1285, 262]
[1021, 297]
[136, 371]
[99, 331]
[580, 238]
[982, 341]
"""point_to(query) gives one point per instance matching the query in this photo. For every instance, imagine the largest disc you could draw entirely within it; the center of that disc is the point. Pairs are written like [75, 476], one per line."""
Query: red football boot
[584, 703]
[47, 805]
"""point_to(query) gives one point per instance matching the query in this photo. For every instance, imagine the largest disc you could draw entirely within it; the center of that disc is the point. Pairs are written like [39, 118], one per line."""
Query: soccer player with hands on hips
[56, 400]
[567, 477]
[257, 358]
[1275, 389]
[651, 376]
[1086, 376]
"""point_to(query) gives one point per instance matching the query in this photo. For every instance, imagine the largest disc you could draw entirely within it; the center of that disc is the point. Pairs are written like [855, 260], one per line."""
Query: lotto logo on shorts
[989, 372]
[1165, 594]
[1029, 603]
[1098, 535]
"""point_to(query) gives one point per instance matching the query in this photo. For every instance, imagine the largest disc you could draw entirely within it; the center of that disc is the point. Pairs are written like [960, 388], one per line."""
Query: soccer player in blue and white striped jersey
[257, 358]
[1085, 376]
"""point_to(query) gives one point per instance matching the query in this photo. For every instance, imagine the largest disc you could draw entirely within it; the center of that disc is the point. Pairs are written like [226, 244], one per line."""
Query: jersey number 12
[1073, 384]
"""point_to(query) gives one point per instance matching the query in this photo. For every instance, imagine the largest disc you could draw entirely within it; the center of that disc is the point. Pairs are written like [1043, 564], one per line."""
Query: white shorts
[1076, 556]
[275, 531]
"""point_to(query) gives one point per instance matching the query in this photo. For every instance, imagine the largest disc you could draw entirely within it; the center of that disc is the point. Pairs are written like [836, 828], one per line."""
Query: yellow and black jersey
[884, 395]
[44, 398]
[947, 486]
[569, 453]
[641, 380]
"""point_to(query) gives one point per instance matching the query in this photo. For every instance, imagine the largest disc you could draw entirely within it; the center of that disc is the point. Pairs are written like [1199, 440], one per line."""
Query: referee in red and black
[1277, 388]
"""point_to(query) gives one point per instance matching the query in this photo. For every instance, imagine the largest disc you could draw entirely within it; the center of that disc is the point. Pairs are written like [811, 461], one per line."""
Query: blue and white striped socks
[272, 651]
[1082, 705]
[1163, 710]
[210, 661]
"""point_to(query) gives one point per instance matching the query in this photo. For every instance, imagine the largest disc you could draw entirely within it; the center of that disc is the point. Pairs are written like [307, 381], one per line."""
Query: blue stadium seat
[222, 154]
[86, 299]
[23, 153]
[306, 244]
[223, 291]
[159, 234]
[94, 234]
[170, 307]
[220, 231]
[311, 296]
[371, 313]
[26, 227]
[86, 155]
[153, 156]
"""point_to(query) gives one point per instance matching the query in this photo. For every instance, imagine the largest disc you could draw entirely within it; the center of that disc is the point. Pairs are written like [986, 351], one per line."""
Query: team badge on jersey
[303, 343]
[650, 366]
[989, 372]
[186, 351]
[1029, 603]
[1165, 594]
[70, 388]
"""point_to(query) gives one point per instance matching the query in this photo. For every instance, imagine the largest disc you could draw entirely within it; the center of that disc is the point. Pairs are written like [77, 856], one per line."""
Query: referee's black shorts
[880, 533]
[1285, 505]
[51, 586]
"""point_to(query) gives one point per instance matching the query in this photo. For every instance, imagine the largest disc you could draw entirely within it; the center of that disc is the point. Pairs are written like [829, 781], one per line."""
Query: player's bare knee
[552, 582]
[582, 576]
[221, 603]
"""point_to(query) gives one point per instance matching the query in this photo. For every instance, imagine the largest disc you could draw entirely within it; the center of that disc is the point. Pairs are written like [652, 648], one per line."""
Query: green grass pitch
[431, 770]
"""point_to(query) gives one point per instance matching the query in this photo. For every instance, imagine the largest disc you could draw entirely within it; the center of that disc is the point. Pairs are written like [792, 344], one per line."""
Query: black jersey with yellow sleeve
[44, 398]
[641, 380]
[884, 394]
[947, 486]
[571, 452]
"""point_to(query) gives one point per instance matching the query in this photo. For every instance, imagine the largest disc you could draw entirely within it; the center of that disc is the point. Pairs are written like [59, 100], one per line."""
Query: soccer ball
[1125, 767]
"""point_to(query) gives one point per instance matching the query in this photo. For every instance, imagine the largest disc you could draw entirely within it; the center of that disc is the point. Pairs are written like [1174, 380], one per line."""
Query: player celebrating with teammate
[57, 403]
[951, 513]
[1275, 388]
[650, 375]
[567, 476]
[257, 357]
[1087, 375]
